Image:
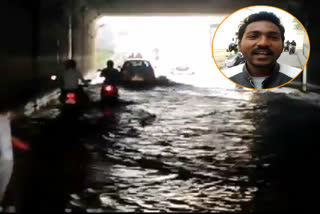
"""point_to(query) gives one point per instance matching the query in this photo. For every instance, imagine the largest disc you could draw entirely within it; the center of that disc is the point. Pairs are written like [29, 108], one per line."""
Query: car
[137, 70]
[182, 70]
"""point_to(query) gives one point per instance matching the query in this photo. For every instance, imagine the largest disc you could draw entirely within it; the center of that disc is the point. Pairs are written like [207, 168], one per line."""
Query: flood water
[176, 148]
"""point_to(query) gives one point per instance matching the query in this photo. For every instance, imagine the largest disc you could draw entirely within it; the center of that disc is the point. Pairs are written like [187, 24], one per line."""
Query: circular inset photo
[261, 47]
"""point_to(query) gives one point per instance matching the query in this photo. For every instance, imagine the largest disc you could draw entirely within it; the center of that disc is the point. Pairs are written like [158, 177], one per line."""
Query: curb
[302, 59]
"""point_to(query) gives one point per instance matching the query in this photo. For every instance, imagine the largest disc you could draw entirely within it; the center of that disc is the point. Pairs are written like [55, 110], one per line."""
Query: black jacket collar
[266, 83]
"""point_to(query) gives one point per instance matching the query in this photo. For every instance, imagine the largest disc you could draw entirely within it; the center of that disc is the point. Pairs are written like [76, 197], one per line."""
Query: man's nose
[263, 41]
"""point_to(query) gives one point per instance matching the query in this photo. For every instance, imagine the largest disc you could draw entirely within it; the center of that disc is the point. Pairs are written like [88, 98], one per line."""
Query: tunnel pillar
[83, 37]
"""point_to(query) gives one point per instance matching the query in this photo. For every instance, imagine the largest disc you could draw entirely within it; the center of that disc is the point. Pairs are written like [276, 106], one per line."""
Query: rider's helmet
[233, 47]
[110, 63]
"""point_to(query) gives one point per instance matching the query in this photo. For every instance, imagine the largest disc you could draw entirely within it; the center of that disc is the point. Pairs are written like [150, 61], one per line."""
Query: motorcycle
[234, 60]
[286, 48]
[70, 98]
[73, 100]
[292, 49]
[109, 93]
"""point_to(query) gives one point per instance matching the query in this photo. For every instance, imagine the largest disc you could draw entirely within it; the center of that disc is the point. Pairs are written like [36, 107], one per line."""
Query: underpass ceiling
[134, 7]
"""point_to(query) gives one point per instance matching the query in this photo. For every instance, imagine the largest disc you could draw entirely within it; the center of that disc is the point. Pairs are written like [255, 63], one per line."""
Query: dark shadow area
[54, 168]
[286, 157]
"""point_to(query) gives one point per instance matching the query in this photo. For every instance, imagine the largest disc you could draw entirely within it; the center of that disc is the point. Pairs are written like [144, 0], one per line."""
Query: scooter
[109, 93]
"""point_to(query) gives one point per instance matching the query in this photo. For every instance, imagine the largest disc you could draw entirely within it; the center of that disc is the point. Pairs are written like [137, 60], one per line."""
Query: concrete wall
[16, 65]
[29, 37]
[312, 26]
[84, 36]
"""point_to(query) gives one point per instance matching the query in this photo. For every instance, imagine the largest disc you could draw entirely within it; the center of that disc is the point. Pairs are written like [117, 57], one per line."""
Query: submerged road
[172, 148]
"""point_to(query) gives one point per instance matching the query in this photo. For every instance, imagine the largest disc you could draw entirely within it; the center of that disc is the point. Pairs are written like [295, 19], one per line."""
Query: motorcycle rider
[286, 46]
[293, 46]
[70, 77]
[233, 47]
[235, 59]
[111, 74]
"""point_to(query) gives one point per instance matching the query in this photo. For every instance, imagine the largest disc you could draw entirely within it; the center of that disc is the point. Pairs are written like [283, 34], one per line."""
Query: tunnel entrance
[178, 47]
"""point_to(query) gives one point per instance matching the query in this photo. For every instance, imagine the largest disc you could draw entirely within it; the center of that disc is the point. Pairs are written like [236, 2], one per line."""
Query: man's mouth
[262, 52]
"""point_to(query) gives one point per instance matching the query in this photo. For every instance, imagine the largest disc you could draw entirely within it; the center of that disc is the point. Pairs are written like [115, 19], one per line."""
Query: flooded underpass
[176, 148]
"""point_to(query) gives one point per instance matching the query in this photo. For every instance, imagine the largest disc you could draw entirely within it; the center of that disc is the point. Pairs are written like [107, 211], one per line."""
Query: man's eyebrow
[259, 32]
[274, 32]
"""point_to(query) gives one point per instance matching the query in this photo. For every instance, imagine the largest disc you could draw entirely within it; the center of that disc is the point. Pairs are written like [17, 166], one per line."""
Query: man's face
[261, 43]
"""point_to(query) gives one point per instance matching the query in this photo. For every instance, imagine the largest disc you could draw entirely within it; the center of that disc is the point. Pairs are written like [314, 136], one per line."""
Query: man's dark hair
[261, 16]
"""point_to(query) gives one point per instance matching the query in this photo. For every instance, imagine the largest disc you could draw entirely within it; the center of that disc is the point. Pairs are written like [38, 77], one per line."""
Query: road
[169, 149]
[296, 60]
